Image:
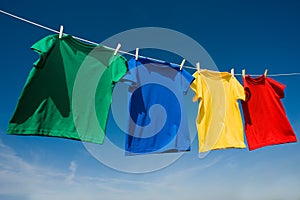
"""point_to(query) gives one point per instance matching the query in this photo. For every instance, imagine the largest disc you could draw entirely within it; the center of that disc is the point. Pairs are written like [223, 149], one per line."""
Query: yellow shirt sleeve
[238, 89]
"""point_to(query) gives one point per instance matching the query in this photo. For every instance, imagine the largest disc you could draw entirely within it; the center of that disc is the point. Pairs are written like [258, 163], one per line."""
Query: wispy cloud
[1, 143]
[72, 168]
[22, 180]
[19, 178]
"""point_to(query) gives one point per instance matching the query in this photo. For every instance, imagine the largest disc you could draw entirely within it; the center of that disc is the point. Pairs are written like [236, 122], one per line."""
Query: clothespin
[243, 73]
[266, 71]
[61, 31]
[182, 63]
[232, 72]
[198, 66]
[136, 53]
[117, 49]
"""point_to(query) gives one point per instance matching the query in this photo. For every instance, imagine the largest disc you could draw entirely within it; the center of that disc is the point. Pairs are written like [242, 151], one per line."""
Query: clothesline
[124, 52]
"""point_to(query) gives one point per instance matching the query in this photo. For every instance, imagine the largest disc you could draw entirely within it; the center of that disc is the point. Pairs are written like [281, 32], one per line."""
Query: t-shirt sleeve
[186, 80]
[278, 87]
[197, 86]
[238, 90]
[131, 78]
[119, 68]
[43, 47]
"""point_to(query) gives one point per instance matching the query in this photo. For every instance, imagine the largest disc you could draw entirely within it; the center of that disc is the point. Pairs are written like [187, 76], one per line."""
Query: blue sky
[242, 34]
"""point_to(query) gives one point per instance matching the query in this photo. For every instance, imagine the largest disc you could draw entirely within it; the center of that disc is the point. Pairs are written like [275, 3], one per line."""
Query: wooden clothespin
[266, 71]
[61, 31]
[198, 66]
[136, 53]
[243, 73]
[232, 72]
[182, 63]
[117, 49]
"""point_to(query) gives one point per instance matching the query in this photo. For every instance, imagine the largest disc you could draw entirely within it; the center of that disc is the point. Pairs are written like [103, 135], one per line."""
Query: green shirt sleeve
[43, 47]
[119, 68]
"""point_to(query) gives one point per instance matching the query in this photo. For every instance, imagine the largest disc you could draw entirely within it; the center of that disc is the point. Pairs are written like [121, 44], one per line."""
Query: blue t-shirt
[157, 121]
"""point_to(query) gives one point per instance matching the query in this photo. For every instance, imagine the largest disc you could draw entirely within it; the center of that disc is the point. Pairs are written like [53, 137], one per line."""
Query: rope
[124, 52]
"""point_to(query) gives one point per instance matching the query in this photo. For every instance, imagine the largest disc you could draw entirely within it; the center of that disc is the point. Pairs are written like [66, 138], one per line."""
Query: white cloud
[22, 180]
[1, 143]
[19, 178]
[72, 168]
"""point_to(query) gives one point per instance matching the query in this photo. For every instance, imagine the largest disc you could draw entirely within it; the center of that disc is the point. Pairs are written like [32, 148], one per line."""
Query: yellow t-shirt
[219, 121]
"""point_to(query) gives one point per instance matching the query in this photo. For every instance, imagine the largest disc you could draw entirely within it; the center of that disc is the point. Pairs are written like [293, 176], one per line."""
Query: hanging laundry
[46, 106]
[266, 122]
[157, 121]
[219, 121]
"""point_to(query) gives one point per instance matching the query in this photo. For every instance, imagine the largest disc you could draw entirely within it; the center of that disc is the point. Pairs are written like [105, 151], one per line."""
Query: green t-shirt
[69, 90]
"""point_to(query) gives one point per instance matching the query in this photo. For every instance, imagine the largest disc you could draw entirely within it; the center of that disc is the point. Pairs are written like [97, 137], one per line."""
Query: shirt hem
[285, 141]
[222, 148]
[59, 134]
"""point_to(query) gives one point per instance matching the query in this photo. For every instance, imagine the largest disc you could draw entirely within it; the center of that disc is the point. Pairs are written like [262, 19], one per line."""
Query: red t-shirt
[266, 122]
